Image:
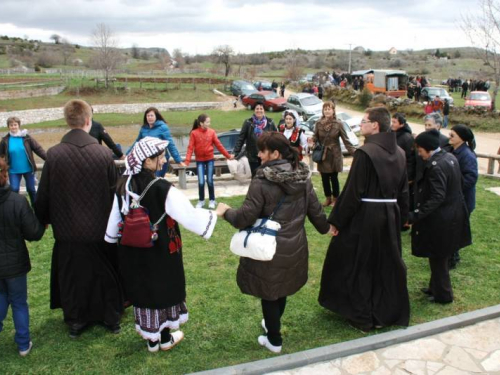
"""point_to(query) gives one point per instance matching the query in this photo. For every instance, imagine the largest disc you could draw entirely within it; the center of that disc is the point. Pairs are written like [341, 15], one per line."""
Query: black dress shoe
[358, 326]
[426, 291]
[113, 328]
[75, 330]
[434, 300]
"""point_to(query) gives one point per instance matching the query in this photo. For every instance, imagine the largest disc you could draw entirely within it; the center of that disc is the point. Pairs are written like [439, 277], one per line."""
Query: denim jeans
[205, 168]
[445, 121]
[14, 292]
[29, 178]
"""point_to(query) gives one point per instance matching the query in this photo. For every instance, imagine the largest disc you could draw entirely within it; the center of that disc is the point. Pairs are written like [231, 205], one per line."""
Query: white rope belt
[379, 200]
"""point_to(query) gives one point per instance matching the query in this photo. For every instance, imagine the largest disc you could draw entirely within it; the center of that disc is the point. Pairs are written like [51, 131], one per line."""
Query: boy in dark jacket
[19, 223]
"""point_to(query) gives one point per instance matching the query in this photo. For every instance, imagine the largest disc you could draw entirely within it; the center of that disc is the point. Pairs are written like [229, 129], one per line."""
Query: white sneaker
[200, 204]
[24, 353]
[154, 348]
[263, 324]
[176, 337]
[212, 205]
[265, 342]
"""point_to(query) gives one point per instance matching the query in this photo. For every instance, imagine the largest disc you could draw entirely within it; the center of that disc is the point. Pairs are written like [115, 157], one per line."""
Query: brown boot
[327, 202]
[333, 201]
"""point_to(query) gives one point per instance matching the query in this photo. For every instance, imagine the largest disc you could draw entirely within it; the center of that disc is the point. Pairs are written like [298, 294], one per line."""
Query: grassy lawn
[224, 324]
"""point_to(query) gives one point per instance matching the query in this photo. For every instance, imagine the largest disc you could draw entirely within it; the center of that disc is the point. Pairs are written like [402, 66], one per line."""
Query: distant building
[393, 51]
[359, 49]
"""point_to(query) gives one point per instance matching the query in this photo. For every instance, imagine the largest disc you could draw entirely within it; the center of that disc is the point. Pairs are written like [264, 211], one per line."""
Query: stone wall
[31, 93]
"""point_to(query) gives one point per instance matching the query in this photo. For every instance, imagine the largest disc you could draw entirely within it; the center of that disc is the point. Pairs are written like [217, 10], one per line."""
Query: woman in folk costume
[291, 130]
[154, 274]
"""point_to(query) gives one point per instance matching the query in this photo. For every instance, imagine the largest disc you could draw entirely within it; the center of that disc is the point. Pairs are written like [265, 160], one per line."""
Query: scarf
[259, 125]
[20, 133]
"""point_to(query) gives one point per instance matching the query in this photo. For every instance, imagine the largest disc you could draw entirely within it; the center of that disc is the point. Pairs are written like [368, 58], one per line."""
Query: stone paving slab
[463, 344]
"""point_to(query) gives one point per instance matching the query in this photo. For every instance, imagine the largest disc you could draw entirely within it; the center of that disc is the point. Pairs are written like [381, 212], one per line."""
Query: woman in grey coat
[281, 175]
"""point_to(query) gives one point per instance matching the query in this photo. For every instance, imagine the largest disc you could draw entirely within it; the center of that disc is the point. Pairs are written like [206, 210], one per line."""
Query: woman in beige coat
[328, 131]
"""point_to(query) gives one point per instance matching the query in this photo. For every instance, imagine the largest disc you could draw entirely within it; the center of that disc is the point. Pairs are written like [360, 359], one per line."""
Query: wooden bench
[181, 171]
[491, 161]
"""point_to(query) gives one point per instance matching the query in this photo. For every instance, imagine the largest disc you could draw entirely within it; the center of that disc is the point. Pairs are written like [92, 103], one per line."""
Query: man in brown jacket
[75, 195]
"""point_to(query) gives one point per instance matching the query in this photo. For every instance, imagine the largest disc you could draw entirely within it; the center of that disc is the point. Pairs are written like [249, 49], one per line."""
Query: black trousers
[330, 184]
[440, 283]
[272, 311]
[253, 166]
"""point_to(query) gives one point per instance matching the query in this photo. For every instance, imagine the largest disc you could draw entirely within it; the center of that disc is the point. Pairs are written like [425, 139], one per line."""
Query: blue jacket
[160, 130]
[468, 166]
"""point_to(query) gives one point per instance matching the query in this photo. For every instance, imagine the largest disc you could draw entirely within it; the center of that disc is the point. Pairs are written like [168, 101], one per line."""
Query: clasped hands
[221, 209]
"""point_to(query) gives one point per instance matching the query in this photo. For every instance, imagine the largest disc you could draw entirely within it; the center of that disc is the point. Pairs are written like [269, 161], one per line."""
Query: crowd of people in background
[427, 183]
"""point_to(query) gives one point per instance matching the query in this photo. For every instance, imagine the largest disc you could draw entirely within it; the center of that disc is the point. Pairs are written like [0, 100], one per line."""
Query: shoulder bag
[258, 241]
[317, 154]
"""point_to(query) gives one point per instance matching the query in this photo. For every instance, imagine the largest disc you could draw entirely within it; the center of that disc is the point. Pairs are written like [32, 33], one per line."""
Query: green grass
[224, 324]
[220, 120]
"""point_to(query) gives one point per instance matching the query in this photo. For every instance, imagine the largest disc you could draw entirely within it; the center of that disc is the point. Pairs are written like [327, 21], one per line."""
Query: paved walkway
[470, 350]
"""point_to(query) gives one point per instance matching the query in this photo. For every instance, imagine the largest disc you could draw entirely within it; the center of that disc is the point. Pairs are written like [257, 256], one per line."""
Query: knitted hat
[145, 148]
[428, 140]
[465, 134]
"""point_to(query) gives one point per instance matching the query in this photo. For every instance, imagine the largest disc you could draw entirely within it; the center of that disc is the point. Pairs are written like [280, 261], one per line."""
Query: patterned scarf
[259, 125]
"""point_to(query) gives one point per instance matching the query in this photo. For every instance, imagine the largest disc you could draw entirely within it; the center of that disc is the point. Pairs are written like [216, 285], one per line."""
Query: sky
[197, 26]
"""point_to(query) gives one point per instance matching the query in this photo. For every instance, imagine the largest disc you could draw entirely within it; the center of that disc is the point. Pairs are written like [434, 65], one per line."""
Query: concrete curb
[331, 352]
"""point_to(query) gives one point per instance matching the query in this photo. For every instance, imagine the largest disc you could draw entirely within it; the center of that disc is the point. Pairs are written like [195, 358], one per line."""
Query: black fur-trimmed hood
[282, 173]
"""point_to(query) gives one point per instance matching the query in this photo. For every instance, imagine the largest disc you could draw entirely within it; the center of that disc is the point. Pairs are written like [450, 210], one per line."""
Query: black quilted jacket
[76, 189]
[17, 223]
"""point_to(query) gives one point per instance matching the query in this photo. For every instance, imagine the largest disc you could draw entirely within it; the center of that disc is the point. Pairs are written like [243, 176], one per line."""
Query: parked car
[308, 127]
[266, 86]
[429, 93]
[228, 140]
[353, 122]
[478, 99]
[308, 78]
[306, 105]
[272, 101]
[244, 88]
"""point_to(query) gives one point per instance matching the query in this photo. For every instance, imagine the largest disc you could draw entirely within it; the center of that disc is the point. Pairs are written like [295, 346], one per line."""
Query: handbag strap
[144, 193]
[277, 207]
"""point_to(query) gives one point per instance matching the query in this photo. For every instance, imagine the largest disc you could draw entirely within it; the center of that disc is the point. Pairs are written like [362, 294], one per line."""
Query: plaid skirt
[150, 322]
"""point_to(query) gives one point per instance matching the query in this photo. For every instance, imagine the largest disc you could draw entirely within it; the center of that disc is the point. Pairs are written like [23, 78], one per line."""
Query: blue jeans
[14, 292]
[29, 178]
[205, 168]
[445, 121]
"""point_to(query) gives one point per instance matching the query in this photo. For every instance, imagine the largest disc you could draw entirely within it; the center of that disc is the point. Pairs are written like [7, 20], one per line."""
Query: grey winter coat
[287, 272]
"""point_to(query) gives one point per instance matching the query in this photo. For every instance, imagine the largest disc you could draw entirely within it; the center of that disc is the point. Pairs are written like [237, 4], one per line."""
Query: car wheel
[270, 109]
[249, 107]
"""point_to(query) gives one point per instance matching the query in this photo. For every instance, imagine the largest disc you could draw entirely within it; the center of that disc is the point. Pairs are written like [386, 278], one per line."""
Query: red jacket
[202, 142]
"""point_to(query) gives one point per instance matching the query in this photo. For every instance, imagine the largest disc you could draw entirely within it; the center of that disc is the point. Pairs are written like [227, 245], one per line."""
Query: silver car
[306, 105]
[308, 128]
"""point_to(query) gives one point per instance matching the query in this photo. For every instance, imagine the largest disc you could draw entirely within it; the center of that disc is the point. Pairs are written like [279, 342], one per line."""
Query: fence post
[194, 84]
[491, 166]
[154, 83]
[166, 84]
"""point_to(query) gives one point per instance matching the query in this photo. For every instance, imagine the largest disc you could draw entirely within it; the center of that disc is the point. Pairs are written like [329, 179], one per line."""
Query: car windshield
[248, 86]
[310, 100]
[343, 116]
[440, 92]
[480, 96]
[272, 95]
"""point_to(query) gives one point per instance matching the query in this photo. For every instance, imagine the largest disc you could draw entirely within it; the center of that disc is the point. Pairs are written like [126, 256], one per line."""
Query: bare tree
[164, 59]
[179, 58]
[67, 50]
[136, 54]
[483, 30]
[223, 55]
[107, 57]
[56, 38]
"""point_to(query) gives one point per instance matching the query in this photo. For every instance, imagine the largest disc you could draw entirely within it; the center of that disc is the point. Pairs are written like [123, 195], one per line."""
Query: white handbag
[257, 241]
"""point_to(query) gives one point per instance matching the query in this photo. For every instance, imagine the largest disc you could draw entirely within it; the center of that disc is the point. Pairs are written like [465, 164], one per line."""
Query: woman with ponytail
[282, 185]
[463, 143]
[202, 140]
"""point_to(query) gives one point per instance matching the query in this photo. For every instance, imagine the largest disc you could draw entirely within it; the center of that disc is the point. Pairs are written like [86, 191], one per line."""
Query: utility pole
[350, 45]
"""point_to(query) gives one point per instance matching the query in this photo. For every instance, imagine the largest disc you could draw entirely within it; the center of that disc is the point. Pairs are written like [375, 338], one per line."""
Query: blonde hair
[329, 104]
[76, 113]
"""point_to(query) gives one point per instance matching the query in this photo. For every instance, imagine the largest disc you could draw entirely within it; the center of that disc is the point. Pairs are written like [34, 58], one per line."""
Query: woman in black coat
[19, 223]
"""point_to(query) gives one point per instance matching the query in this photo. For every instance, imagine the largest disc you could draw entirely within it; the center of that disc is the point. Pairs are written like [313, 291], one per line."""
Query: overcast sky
[197, 26]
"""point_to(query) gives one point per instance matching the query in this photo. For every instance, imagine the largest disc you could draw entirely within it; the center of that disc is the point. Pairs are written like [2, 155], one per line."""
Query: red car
[272, 101]
[478, 99]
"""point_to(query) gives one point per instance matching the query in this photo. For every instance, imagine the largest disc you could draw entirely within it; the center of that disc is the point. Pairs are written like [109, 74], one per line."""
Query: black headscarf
[465, 135]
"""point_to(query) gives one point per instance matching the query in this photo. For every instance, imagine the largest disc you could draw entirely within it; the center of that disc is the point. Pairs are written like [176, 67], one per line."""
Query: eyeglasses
[366, 121]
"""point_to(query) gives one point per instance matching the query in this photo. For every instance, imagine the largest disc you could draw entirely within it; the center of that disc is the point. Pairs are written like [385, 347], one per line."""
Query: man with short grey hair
[435, 121]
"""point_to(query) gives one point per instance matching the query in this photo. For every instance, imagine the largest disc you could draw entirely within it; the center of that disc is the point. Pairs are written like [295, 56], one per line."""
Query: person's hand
[182, 164]
[231, 157]
[221, 209]
[123, 157]
[333, 231]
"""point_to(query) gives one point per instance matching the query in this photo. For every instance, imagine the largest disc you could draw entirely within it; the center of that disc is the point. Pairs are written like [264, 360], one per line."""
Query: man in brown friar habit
[364, 276]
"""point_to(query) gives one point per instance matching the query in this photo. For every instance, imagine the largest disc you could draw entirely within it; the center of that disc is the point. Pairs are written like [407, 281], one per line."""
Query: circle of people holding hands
[118, 240]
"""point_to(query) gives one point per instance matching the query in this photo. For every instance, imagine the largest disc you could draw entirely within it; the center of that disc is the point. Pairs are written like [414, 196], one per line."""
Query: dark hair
[120, 186]
[274, 141]
[382, 116]
[157, 114]
[259, 103]
[12, 119]
[3, 172]
[201, 118]
[400, 117]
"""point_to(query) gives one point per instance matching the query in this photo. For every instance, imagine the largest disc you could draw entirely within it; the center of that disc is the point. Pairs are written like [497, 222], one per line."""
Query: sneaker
[200, 204]
[263, 324]
[212, 205]
[176, 337]
[24, 353]
[153, 346]
[263, 341]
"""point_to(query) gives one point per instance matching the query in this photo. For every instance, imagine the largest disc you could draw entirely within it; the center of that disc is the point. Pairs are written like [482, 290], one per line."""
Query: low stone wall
[31, 93]
[33, 116]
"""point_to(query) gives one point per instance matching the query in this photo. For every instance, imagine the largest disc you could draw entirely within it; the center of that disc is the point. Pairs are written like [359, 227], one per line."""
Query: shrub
[365, 97]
